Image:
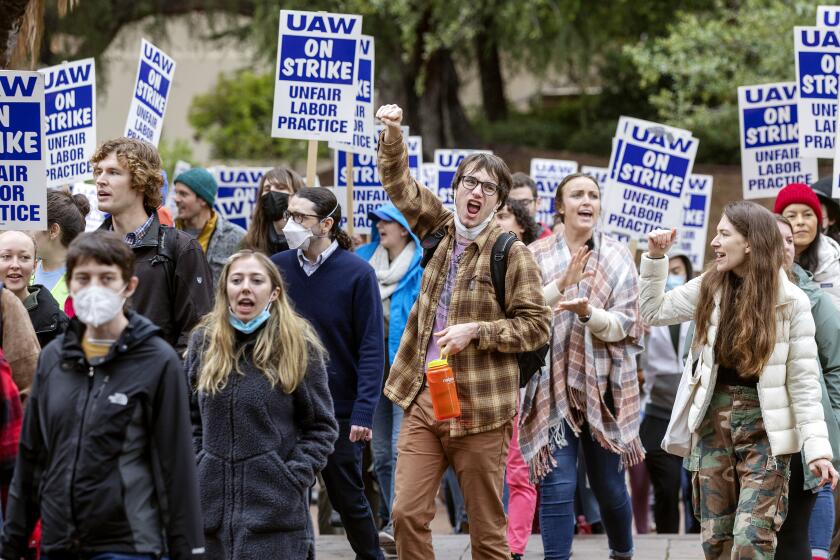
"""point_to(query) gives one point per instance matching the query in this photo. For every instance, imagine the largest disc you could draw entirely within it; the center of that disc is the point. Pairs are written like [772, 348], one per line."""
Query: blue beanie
[201, 182]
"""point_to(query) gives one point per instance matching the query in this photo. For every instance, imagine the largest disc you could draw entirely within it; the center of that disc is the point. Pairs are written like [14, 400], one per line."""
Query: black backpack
[529, 362]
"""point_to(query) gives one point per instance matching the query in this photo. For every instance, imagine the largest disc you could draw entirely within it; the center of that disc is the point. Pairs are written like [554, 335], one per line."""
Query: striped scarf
[583, 368]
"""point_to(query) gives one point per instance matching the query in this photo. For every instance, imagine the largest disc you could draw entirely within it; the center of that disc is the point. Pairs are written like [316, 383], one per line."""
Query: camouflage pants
[739, 489]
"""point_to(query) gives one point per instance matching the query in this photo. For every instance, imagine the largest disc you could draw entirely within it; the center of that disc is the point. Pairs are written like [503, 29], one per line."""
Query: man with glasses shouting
[457, 315]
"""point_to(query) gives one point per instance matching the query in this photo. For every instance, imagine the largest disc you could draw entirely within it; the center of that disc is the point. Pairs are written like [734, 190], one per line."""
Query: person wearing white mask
[338, 293]
[106, 459]
[457, 315]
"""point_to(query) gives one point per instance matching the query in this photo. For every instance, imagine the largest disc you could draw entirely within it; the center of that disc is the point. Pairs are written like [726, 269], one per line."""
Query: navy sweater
[341, 300]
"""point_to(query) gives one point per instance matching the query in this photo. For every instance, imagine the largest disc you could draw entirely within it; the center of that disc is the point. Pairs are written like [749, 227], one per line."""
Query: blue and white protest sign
[70, 91]
[315, 88]
[368, 192]
[828, 16]
[94, 217]
[547, 174]
[599, 173]
[238, 190]
[446, 162]
[23, 151]
[151, 93]
[817, 58]
[364, 134]
[428, 176]
[770, 155]
[691, 240]
[650, 165]
[415, 155]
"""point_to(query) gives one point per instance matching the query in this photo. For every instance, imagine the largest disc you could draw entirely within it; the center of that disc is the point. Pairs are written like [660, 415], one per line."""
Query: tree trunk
[443, 122]
[490, 75]
[11, 12]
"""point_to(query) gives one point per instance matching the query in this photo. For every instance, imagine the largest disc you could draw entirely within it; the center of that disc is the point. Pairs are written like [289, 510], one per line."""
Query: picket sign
[770, 153]
[828, 16]
[817, 52]
[547, 174]
[23, 150]
[238, 192]
[155, 72]
[70, 90]
[599, 173]
[695, 220]
[315, 80]
[649, 166]
[95, 217]
[356, 178]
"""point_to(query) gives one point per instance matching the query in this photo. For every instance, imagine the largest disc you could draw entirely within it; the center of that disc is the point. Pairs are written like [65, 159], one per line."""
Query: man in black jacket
[106, 458]
[176, 284]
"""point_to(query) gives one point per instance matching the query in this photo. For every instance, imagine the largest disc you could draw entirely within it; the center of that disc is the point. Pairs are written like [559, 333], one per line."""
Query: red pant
[523, 496]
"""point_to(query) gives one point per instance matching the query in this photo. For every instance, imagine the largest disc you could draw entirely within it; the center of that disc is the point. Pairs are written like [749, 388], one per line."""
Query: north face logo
[118, 398]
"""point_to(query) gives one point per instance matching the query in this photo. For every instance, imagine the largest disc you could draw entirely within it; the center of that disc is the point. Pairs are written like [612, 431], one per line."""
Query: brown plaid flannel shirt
[486, 373]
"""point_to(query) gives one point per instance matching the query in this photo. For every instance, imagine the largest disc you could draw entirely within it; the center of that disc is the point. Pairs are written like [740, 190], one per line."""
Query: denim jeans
[386, 429]
[557, 497]
[822, 522]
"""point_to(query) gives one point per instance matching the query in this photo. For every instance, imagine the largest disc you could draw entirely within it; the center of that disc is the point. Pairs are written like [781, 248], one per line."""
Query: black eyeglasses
[488, 188]
[298, 217]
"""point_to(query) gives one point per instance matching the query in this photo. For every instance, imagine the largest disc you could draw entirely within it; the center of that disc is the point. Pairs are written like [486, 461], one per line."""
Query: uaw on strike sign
[71, 121]
[649, 167]
[770, 155]
[151, 92]
[817, 64]
[23, 186]
[315, 88]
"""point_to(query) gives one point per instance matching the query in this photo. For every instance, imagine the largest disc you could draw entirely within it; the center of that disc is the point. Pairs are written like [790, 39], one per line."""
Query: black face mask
[274, 204]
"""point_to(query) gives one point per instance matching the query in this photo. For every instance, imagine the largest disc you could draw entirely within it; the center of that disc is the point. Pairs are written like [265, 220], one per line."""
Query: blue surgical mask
[253, 324]
[674, 281]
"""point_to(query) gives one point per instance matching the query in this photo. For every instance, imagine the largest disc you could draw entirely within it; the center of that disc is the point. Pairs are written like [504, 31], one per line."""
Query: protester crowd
[182, 391]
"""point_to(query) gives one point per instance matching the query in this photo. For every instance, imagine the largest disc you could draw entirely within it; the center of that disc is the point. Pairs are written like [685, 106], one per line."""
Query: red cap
[798, 193]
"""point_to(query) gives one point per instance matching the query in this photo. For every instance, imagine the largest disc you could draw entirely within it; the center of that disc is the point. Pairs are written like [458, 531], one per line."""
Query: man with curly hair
[176, 284]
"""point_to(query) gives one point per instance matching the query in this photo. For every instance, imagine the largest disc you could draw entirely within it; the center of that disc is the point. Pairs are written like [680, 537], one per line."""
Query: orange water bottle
[441, 381]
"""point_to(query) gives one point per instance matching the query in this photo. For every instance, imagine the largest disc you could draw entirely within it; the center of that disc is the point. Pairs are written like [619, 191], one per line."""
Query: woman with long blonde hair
[263, 421]
[752, 390]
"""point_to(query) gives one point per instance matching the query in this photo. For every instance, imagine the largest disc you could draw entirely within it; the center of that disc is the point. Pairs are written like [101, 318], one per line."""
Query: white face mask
[473, 232]
[297, 236]
[96, 305]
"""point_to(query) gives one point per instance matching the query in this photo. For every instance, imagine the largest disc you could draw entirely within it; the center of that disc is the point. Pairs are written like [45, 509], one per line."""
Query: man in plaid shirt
[457, 315]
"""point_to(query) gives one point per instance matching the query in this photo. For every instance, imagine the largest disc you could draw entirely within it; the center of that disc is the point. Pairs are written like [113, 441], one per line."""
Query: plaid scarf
[582, 367]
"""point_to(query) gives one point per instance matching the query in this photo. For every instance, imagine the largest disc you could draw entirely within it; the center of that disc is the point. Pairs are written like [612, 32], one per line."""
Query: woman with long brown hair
[265, 233]
[753, 381]
[263, 422]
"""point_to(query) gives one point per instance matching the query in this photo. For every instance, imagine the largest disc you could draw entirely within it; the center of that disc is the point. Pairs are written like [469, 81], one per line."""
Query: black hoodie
[106, 455]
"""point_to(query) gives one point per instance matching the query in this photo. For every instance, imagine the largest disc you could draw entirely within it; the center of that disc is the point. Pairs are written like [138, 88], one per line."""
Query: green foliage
[171, 152]
[694, 71]
[235, 119]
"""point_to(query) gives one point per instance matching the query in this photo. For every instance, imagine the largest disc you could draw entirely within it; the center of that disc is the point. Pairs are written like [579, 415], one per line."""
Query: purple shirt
[442, 311]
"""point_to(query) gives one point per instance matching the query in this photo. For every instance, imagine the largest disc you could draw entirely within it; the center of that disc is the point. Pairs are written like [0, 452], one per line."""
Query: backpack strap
[165, 255]
[430, 244]
[498, 265]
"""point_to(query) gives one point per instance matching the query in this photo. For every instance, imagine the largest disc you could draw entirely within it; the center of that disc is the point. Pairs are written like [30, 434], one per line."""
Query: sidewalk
[457, 547]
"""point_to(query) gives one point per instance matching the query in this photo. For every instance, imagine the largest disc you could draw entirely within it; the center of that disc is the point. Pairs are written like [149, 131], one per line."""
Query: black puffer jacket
[176, 285]
[106, 455]
[47, 318]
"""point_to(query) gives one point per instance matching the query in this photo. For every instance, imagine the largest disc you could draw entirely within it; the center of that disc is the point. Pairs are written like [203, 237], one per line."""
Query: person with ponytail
[65, 221]
[750, 396]
[338, 293]
[254, 355]
[265, 233]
